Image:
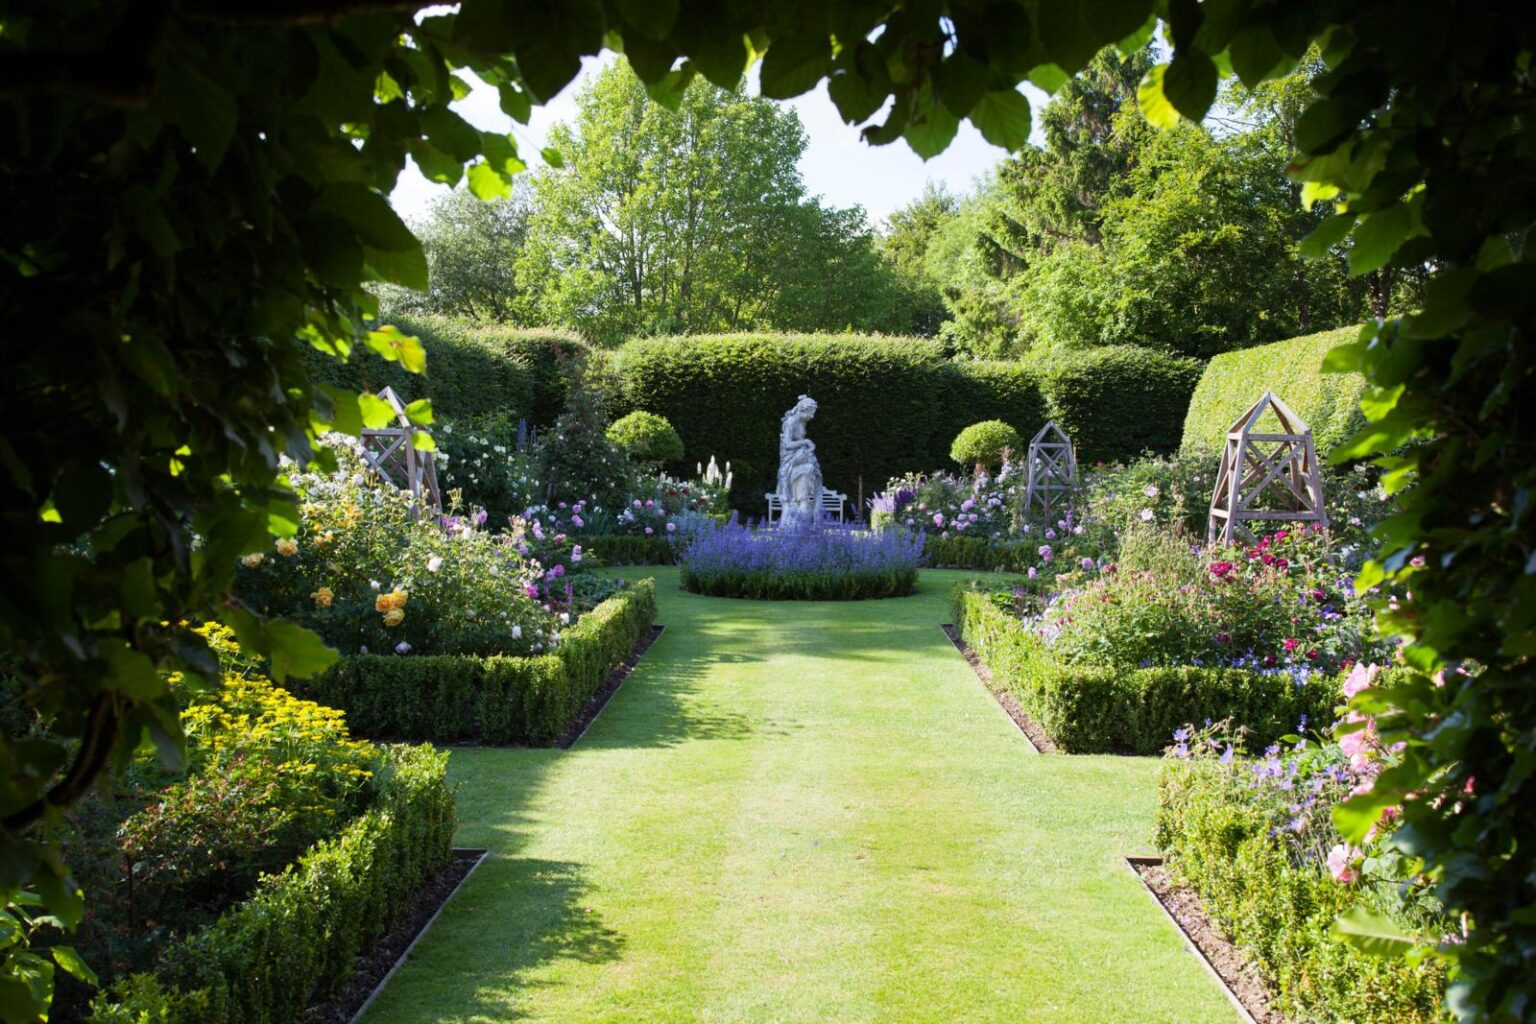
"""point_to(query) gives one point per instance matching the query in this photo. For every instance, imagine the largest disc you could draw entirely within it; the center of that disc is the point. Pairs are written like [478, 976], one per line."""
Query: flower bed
[825, 563]
[493, 699]
[1255, 838]
[296, 936]
[194, 871]
[1088, 709]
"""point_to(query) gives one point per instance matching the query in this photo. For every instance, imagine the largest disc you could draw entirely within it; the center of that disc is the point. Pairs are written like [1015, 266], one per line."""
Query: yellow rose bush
[371, 576]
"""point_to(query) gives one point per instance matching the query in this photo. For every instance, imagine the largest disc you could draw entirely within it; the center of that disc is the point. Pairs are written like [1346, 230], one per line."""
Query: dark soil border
[1037, 737]
[582, 722]
[374, 967]
[1226, 963]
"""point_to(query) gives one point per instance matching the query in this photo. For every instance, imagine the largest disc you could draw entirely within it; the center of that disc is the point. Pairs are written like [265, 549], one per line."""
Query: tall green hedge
[1119, 401]
[294, 941]
[1292, 369]
[472, 369]
[492, 700]
[886, 405]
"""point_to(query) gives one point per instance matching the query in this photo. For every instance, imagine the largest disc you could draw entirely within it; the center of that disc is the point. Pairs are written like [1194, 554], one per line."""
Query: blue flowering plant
[826, 562]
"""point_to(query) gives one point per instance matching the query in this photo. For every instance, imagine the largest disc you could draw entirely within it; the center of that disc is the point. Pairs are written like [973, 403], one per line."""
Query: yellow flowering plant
[371, 575]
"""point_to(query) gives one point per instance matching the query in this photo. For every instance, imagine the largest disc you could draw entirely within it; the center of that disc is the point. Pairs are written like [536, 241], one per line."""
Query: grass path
[802, 813]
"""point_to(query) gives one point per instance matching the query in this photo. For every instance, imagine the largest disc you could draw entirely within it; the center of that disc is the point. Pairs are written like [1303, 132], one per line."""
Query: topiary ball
[646, 437]
[982, 444]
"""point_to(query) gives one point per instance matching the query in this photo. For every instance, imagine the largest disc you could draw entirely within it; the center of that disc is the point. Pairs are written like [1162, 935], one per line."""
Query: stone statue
[799, 473]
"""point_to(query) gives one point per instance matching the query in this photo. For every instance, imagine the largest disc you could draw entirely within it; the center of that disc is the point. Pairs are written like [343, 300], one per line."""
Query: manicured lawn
[802, 812]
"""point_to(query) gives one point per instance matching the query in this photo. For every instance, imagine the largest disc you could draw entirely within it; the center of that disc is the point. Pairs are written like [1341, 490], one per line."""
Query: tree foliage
[693, 219]
[193, 192]
[1115, 233]
[472, 246]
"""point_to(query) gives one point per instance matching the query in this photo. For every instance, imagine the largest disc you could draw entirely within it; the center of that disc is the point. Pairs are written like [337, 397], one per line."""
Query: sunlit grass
[802, 812]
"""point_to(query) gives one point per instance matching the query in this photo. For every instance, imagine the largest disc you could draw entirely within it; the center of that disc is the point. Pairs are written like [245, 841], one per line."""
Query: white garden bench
[832, 503]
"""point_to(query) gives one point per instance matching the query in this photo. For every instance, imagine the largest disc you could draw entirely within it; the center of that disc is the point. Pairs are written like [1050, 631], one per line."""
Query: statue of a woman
[799, 487]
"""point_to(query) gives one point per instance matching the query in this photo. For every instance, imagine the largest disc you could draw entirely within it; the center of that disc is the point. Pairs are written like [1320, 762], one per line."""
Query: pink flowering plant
[1280, 605]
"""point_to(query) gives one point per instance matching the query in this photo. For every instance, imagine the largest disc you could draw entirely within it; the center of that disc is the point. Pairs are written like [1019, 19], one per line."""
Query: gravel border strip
[1230, 966]
[1038, 739]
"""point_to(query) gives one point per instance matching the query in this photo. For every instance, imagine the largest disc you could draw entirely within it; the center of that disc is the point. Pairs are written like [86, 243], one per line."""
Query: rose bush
[369, 574]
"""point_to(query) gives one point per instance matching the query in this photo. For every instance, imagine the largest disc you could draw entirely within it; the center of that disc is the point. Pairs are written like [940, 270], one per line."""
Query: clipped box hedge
[1292, 369]
[988, 553]
[490, 700]
[1281, 914]
[886, 405]
[472, 370]
[626, 549]
[293, 942]
[1096, 710]
[1120, 401]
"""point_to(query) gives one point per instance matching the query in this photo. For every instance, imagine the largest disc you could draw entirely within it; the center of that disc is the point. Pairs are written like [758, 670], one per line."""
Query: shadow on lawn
[521, 914]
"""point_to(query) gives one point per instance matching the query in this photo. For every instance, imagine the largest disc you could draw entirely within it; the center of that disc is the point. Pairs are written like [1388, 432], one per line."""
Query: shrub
[365, 572]
[1281, 606]
[1329, 402]
[580, 461]
[826, 563]
[296, 938]
[887, 405]
[1117, 402]
[646, 438]
[984, 445]
[493, 464]
[1252, 837]
[495, 699]
[625, 549]
[1090, 709]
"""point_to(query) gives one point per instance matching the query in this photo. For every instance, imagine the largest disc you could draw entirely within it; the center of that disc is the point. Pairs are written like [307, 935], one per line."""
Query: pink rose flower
[1340, 859]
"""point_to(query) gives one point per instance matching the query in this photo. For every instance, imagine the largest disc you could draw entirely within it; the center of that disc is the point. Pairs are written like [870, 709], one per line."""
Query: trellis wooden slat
[1288, 472]
[1052, 471]
[390, 451]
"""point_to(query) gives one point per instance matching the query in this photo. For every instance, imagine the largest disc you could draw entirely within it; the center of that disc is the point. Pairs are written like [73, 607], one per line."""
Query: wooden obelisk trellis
[390, 451]
[1265, 475]
[1052, 472]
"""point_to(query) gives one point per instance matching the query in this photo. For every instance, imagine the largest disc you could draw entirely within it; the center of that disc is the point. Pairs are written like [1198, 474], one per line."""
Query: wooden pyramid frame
[390, 453]
[1052, 471]
[1288, 470]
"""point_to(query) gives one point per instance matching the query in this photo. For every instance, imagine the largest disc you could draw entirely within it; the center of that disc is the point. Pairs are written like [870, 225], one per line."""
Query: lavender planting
[821, 563]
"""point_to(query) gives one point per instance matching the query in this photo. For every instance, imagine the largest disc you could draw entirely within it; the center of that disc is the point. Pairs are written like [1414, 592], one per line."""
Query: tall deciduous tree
[694, 219]
[472, 246]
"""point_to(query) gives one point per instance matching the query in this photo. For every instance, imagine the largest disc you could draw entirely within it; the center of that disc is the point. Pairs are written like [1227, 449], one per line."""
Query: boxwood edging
[627, 549]
[295, 939]
[1103, 710]
[494, 700]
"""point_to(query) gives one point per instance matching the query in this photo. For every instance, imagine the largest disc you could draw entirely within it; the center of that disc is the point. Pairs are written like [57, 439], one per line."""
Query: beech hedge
[1120, 401]
[886, 406]
[488, 700]
[1293, 370]
[473, 370]
[293, 942]
[1111, 710]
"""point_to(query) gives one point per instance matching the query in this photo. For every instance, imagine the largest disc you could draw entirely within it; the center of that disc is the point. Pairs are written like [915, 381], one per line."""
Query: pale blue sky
[836, 164]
